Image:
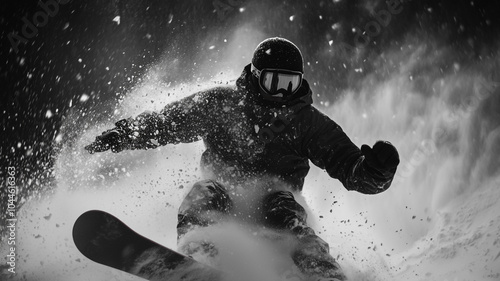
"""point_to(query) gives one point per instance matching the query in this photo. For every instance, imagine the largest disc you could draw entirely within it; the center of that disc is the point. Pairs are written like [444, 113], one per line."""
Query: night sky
[89, 53]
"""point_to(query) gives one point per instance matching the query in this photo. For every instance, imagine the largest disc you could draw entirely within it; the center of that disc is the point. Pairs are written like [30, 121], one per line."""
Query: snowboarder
[260, 133]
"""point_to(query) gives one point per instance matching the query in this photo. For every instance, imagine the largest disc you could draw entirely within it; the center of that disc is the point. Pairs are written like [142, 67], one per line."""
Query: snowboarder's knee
[205, 196]
[209, 187]
[282, 211]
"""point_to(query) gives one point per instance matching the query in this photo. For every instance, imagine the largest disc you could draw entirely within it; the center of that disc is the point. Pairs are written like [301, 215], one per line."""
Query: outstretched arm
[183, 121]
[368, 170]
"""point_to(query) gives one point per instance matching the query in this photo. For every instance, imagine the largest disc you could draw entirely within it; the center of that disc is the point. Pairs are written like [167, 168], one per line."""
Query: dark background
[45, 73]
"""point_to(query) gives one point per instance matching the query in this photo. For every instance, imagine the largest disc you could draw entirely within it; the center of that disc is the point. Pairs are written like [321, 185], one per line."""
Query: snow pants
[208, 201]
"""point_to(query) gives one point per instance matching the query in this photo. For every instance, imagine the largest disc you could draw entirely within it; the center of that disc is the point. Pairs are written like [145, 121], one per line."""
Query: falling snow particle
[292, 18]
[117, 20]
[49, 114]
[84, 98]
[211, 47]
[59, 138]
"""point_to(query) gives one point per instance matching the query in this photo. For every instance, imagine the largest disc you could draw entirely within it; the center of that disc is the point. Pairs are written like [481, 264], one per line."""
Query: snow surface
[439, 221]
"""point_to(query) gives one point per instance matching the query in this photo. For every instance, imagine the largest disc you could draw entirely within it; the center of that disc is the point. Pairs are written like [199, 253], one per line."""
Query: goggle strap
[255, 71]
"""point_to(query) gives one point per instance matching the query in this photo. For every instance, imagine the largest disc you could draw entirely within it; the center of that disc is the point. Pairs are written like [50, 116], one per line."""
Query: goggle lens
[277, 83]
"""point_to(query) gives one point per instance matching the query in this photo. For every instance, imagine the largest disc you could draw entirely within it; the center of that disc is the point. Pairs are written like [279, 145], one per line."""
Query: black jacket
[245, 137]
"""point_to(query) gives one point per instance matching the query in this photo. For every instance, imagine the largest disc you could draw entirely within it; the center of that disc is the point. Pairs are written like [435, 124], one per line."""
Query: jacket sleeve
[183, 121]
[329, 148]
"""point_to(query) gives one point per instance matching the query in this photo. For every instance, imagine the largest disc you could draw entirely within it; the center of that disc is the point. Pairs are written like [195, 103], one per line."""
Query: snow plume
[440, 217]
[143, 188]
[245, 253]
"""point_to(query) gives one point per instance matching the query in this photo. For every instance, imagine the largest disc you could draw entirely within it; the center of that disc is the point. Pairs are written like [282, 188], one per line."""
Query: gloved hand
[383, 157]
[116, 139]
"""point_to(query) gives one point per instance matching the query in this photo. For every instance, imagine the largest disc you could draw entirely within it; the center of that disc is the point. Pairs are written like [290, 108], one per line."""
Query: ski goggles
[278, 82]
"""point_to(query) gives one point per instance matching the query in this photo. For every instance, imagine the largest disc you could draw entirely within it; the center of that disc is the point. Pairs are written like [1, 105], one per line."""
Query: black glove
[116, 139]
[383, 157]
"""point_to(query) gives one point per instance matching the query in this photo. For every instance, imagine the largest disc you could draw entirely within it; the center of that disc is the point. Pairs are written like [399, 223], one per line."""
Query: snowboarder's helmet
[277, 66]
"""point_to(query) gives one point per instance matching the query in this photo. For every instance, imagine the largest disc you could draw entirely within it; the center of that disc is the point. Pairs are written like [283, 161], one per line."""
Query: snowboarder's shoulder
[319, 113]
[222, 94]
[219, 92]
[314, 116]
[310, 111]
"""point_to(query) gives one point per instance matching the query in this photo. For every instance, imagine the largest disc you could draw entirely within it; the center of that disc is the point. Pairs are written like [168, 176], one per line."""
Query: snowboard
[105, 239]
